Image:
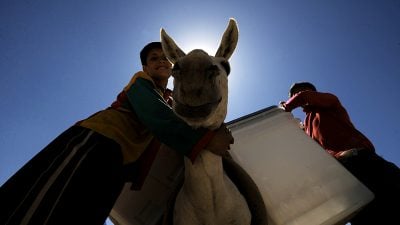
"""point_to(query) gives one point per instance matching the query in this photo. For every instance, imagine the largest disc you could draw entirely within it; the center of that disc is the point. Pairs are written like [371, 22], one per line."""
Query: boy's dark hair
[146, 49]
[296, 86]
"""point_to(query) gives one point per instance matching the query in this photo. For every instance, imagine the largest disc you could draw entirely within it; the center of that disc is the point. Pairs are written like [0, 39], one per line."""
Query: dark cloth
[76, 179]
[136, 172]
[383, 179]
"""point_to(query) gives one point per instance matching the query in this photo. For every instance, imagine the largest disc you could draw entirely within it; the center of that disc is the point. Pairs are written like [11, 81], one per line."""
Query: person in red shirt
[328, 123]
[77, 178]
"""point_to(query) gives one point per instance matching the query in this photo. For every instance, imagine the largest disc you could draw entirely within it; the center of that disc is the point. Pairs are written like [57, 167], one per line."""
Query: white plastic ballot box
[300, 183]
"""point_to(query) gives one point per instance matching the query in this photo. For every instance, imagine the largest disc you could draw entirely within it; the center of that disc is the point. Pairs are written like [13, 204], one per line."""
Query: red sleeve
[311, 98]
[201, 145]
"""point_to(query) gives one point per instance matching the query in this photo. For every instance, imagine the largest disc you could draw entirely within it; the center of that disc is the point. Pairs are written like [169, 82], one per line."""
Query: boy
[79, 175]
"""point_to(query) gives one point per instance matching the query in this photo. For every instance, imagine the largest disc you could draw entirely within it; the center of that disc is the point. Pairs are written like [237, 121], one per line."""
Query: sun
[203, 44]
[205, 39]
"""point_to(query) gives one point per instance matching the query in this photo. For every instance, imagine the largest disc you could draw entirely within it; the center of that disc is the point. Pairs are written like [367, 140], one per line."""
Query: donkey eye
[212, 71]
[213, 68]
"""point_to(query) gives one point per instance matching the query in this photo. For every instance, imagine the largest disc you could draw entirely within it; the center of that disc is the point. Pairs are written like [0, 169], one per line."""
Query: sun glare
[207, 40]
[207, 46]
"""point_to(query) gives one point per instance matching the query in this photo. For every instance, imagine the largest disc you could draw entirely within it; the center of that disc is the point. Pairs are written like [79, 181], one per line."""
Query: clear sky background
[61, 61]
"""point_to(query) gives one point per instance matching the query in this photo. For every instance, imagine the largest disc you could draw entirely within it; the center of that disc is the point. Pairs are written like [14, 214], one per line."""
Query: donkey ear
[171, 50]
[229, 40]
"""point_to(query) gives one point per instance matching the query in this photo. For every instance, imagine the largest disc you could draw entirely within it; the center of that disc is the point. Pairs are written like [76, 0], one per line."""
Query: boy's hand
[221, 141]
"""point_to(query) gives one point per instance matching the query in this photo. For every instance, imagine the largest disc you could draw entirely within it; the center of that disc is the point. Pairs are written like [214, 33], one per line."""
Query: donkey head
[200, 80]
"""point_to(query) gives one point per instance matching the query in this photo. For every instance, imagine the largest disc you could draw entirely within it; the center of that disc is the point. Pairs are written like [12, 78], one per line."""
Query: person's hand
[221, 141]
[282, 104]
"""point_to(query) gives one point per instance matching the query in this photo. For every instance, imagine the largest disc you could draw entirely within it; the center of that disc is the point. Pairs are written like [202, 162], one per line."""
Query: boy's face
[158, 67]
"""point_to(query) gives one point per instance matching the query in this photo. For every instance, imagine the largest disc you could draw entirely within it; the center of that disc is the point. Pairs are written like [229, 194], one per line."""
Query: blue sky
[61, 61]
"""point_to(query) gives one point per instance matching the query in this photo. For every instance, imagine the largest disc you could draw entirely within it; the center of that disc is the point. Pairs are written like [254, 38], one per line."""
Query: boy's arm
[158, 116]
[311, 98]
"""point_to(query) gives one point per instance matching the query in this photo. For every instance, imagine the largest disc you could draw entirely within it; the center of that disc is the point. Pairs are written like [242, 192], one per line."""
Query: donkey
[208, 195]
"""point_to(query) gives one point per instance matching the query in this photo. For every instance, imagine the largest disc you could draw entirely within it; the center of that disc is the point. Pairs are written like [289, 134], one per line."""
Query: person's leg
[387, 192]
[52, 188]
[93, 188]
[19, 191]
[382, 178]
